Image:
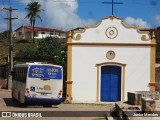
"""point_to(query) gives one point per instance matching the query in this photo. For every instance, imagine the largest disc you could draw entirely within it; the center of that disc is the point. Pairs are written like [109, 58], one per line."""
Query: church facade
[108, 60]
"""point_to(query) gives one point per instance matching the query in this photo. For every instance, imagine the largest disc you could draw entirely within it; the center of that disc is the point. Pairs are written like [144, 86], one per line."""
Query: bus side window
[13, 73]
[25, 74]
[21, 73]
[16, 78]
[17, 74]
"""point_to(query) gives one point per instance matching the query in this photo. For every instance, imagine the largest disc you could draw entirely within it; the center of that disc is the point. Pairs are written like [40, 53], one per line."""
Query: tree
[55, 49]
[34, 10]
[3, 35]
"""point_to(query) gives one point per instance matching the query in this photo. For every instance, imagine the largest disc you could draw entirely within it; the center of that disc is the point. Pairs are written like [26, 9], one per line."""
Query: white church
[108, 60]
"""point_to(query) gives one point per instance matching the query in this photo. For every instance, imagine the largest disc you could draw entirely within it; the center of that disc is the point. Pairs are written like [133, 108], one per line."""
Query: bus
[37, 82]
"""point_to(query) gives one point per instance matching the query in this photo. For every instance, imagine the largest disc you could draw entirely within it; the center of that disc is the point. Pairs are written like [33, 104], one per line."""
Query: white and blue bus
[37, 82]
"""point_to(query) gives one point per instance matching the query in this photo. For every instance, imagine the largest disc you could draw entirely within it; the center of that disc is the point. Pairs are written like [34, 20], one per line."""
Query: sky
[70, 14]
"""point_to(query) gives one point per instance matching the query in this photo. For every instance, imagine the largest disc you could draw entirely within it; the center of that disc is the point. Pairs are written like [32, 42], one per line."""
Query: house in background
[25, 32]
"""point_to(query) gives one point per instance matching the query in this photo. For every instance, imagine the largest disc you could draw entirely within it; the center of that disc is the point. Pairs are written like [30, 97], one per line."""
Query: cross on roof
[112, 5]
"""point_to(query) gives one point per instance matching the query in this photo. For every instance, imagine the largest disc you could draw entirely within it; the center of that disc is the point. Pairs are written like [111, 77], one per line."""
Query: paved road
[6, 104]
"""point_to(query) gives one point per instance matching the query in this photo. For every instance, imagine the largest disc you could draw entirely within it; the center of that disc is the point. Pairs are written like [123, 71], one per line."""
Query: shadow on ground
[10, 103]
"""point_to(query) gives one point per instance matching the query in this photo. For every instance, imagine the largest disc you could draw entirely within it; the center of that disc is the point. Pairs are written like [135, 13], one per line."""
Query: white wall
[125, 35]
[25, 33]
[47, 34]
[84, 70]
[38, 33]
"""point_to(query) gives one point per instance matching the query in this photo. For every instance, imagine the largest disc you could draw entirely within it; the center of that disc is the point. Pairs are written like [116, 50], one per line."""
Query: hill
[17, 46]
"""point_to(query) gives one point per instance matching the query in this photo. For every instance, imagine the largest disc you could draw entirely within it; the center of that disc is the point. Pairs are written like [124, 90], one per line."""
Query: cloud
[3, 14]
[62, 14]
[3, 26]
[15, 22]
[20, 21]
[137, 22]
[157, 20]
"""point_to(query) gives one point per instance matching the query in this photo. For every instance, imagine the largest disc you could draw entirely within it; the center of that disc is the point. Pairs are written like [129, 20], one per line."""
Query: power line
[22, 19]
[2, 14]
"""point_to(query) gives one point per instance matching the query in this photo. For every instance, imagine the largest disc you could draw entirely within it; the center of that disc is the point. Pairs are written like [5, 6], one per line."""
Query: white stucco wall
[27, 33]
[17, 33]
[125, 35]
[47, 34]
[85, 58]
[84, 70]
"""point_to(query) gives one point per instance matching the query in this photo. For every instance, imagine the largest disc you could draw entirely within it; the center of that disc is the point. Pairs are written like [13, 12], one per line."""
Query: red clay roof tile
[42, 29]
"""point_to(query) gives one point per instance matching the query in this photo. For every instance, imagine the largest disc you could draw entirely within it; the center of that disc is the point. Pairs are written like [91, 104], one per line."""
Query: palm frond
[34, 10]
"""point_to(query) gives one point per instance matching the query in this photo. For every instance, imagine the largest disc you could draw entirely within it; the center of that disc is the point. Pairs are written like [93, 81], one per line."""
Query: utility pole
[10, 55]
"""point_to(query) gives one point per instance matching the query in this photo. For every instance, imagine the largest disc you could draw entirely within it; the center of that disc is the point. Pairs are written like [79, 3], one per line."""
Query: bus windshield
[45, 72]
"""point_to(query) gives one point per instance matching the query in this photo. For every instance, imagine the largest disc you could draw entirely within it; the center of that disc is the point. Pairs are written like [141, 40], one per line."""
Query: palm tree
[34, 10]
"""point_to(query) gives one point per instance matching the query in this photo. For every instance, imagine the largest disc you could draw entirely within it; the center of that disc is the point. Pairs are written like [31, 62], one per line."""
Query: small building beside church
[108, 60]
[25, 32]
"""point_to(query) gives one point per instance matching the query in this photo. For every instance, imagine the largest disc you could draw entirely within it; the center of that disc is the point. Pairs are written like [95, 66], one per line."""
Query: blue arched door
[110, 83]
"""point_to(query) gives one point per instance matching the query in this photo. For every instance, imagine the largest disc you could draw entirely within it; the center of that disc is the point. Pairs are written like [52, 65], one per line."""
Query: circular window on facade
[110, 55]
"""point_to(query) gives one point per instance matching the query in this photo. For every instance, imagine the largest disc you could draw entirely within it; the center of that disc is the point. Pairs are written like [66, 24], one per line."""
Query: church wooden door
[110, 83]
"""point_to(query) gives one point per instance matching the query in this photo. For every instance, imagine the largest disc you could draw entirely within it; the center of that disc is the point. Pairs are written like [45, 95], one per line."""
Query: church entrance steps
[139, 105]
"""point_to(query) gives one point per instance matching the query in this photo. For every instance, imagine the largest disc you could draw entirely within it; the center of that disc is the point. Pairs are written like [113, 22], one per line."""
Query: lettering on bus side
[54, 70]
[45, 87]
[40, 88]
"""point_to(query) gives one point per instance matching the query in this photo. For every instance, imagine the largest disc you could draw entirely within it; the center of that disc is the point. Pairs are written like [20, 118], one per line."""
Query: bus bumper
[54, 101]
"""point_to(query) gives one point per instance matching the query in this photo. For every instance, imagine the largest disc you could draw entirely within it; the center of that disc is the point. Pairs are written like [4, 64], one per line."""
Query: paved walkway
[6, 104]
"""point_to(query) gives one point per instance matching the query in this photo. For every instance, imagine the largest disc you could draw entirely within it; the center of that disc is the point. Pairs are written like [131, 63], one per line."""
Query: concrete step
[157, 102]
[157, 105]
